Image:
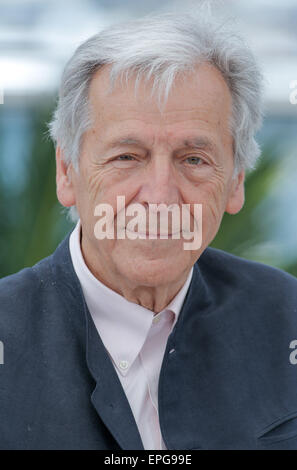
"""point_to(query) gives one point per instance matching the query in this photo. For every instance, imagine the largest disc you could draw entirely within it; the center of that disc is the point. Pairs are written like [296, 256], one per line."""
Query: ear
[64, 180]
[236, 195]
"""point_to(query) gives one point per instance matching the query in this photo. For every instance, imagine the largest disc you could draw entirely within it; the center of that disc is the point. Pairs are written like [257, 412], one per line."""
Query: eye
[125, 157]
[195, 161]
[124, 161]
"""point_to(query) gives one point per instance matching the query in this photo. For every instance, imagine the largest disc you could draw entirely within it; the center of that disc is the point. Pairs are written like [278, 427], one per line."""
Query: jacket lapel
[108, 397]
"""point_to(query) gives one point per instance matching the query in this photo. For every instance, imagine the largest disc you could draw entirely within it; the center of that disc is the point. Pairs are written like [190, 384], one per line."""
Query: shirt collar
[123, 325]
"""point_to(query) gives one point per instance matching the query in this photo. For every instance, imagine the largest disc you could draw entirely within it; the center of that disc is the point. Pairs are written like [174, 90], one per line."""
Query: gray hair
[160, 47]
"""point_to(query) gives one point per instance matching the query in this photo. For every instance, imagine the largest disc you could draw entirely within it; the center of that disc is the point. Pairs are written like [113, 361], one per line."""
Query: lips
[158, 234]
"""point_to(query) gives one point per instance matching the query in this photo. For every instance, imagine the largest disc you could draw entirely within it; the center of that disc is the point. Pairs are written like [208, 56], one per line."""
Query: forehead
[199, 97]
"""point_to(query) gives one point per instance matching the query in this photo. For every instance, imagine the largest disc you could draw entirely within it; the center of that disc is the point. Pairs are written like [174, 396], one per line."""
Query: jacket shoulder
[22, 283]
[230, 264]
[20, 293]
[246, 275]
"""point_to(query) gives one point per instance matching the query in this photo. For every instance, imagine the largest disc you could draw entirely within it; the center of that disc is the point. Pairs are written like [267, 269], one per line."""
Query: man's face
[180, 155]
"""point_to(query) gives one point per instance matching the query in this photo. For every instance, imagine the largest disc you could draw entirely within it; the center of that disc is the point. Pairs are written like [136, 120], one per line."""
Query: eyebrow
[200, 143]
[195, 142]
[125, 141]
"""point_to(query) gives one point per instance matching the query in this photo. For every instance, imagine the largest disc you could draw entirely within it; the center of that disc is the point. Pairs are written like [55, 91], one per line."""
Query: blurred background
[36, 39]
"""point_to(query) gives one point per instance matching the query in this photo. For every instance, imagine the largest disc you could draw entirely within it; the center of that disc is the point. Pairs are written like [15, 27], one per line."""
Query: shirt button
[156, 319]
[124, 365]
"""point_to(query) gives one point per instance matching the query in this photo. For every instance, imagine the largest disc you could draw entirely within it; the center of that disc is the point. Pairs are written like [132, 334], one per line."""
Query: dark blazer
[226, 380]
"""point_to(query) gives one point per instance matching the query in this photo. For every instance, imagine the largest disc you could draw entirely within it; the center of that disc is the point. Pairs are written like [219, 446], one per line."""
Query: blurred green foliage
[243, 234]
[33, 222]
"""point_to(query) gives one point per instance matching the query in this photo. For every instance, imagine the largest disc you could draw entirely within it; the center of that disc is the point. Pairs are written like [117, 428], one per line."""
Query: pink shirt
[135, 339]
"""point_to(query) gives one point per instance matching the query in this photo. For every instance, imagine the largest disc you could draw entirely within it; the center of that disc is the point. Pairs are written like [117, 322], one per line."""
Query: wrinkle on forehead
[194, 80]
[194, 142]
[201, 103]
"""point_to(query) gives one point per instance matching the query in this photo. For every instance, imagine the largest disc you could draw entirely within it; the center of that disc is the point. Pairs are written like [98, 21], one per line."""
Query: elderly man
[134, 342]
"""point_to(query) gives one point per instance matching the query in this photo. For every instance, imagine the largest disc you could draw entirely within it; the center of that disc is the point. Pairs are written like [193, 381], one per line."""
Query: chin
[152, 273]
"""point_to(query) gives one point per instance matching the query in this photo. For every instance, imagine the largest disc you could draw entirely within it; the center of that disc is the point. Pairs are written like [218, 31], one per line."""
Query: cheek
[97, 186]
[108, 180]
[103, 186]
[212, 196]
[98, 180]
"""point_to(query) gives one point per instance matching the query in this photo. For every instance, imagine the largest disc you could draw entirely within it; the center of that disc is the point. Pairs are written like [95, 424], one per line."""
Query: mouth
[155, 234]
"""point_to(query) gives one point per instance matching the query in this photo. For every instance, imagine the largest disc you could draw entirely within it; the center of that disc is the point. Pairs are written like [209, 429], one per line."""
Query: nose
[159, 185]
